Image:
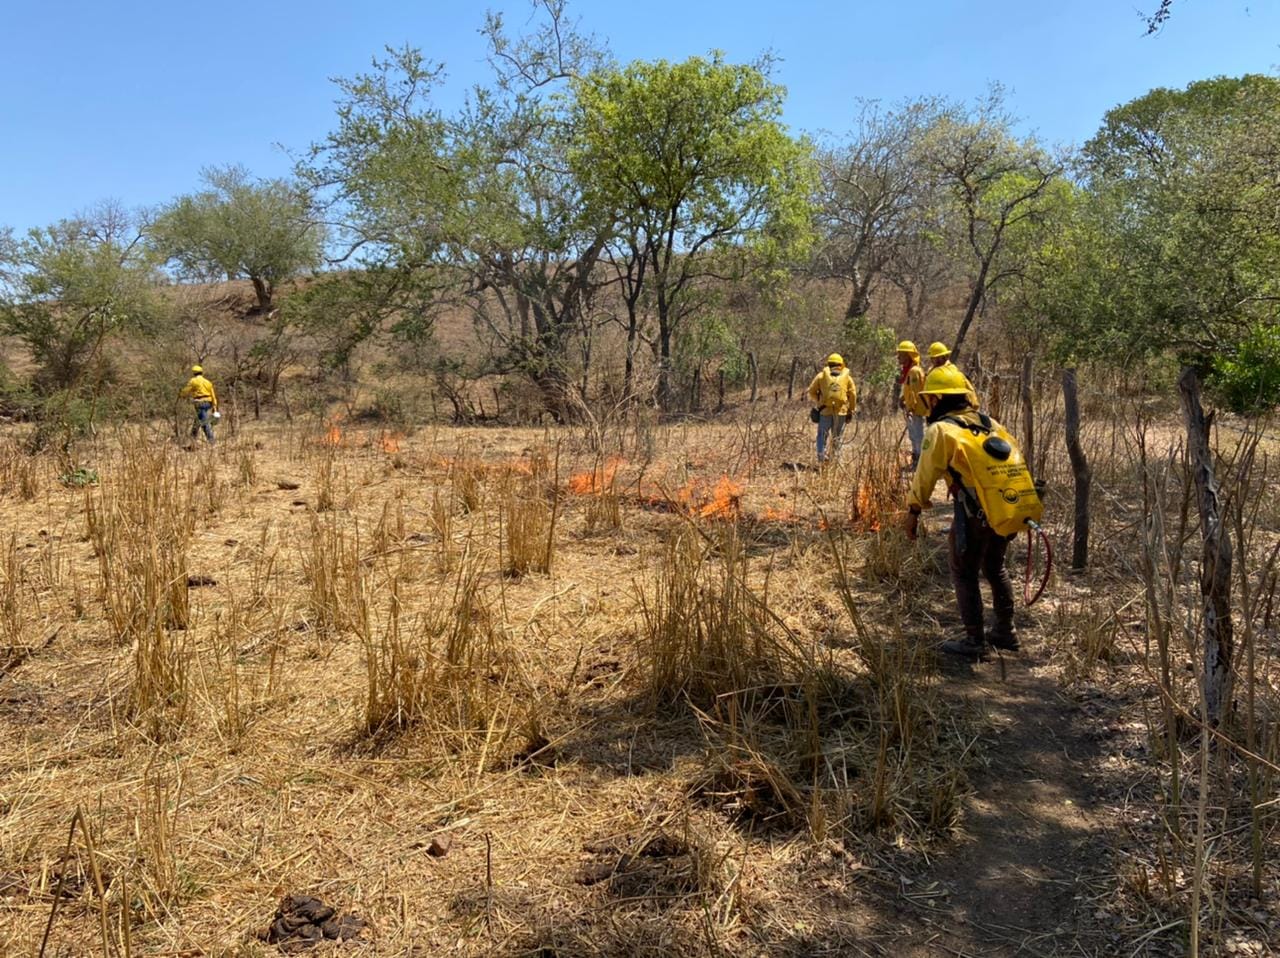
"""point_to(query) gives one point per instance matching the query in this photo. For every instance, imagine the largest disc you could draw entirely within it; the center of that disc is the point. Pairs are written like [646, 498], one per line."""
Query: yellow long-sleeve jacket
[911, 387]
[940, 452]
[198, 389]
[834, 395]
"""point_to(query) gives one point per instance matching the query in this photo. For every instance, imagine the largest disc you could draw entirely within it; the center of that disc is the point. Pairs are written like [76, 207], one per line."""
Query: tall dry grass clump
[706, 636]
[11, 606]
[140, 524]
[337, 598]
[445, 671]
[19, 471]
[158, 699]
[530, 508]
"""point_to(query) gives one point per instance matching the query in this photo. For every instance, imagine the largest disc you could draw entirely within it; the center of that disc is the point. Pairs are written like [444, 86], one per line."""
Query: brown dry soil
[580, 839]
[1033, 844]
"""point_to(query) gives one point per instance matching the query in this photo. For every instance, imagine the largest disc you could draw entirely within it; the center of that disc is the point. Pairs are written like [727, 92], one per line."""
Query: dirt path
[1032, 849]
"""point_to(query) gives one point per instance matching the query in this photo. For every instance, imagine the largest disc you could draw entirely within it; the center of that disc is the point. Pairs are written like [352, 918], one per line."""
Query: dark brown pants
[975, 548]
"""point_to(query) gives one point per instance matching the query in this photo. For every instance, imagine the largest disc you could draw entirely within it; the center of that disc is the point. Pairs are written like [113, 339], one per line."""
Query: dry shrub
[246, 466]
[237, 697]
[11, 617]
[529, 524]
[158, 884]
[604, 511]
[19, 471]
[467, 479]
[140, 525]
[325, 493]
[706, 636]
[334, 574]
[390, 530]
[1092, 633]
[158, 698]
[441, 518]
[444, 671]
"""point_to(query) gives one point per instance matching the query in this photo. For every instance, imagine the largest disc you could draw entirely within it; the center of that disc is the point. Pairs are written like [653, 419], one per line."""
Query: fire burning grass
[722, 499]
[335, 437]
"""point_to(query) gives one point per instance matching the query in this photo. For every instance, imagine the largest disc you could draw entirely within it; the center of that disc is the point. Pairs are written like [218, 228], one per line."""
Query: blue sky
[128, 100]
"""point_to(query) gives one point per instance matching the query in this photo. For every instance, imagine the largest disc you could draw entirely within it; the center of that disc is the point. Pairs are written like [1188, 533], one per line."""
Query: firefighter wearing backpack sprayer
[995, 498]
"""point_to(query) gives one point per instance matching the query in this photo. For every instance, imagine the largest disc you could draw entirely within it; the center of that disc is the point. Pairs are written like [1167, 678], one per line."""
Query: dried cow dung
[302, 922]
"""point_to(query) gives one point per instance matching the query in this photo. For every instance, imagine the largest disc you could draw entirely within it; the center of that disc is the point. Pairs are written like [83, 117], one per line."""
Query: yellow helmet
[907, 346]
[945, 381]
[197, 369]
[938, 350]
[835, 359]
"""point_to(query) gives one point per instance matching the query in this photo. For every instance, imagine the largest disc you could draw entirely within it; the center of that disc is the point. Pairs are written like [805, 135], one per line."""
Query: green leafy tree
[991, 186]
[265, 231]
[479, 207]
[693, 161]
[1173, 247]
[67, 288]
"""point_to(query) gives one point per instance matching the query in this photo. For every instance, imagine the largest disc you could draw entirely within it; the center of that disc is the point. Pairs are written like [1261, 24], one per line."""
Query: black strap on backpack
[978, 430]
[966, 495]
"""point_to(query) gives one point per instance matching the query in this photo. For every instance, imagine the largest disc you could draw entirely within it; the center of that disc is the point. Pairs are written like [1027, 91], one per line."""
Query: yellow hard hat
[907, 346]
[938, 350]
[835, 359]
[945, 381]
[197, 369]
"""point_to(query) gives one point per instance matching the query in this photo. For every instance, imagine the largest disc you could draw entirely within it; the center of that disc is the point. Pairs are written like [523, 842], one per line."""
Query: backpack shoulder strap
[975, 428]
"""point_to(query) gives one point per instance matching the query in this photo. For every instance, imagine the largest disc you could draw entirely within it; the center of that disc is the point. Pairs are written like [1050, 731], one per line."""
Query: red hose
[1032, 531]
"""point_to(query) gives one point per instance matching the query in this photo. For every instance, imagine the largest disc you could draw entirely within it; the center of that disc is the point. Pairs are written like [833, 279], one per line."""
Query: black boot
[1004, 637]
[970, 647]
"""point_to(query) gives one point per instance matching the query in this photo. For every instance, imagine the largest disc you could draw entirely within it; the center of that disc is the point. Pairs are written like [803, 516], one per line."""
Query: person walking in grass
[962, 445]
[911, 380]
[835, 398]
[205, 399]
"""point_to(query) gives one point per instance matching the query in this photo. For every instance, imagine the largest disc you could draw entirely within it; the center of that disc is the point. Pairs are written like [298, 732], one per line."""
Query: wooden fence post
[1215, 557]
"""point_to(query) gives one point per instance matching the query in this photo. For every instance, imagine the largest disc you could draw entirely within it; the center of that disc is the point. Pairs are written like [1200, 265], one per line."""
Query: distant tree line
[627, 232]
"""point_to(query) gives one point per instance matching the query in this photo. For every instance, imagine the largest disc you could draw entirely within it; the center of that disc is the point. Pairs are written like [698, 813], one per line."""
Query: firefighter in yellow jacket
[948, 452]
[205, 399]
[940, 356]
[835, 398]
[911, 379]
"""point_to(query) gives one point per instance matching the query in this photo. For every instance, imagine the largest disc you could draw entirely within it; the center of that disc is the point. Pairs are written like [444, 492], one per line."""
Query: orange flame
[864, 510]
[771, 514]
[726, 500]
[597, 480]
[333, 436]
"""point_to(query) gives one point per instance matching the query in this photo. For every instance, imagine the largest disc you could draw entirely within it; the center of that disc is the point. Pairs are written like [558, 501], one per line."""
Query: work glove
[848, 418]
[911, 525]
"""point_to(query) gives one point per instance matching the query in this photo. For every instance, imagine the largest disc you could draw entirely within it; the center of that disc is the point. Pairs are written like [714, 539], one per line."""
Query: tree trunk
[263, 291]
[665, 392]
[791, 377]
[753, 370]
[1080, 470]
[720, 392]
[629, 368]
[860, 300]
[1025, 387]
[1215, 560]
[971, 308]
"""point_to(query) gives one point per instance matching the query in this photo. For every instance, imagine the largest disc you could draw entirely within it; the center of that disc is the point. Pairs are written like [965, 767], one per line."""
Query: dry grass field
[645, 690]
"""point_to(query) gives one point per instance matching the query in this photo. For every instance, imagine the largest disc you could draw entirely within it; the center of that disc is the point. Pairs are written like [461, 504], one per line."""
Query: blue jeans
[831, 426]
[915, 432]
[204, 420]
